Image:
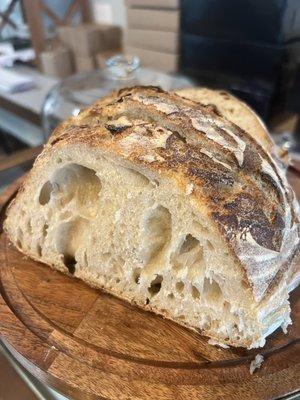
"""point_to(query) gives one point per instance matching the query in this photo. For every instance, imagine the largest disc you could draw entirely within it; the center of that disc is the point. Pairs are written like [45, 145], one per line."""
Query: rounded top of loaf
[217, 164]
[234, 110]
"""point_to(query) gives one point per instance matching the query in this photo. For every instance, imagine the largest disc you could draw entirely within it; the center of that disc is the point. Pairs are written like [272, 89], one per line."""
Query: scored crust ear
[233, 109]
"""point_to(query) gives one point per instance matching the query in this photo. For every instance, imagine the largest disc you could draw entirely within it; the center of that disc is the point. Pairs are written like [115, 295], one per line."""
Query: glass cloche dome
[69, 96]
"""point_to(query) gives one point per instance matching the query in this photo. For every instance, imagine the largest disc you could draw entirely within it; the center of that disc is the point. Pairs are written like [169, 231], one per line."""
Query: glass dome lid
[72, 94]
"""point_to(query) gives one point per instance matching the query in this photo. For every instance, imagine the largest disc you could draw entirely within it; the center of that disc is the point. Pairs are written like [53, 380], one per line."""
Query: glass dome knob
[122, 66]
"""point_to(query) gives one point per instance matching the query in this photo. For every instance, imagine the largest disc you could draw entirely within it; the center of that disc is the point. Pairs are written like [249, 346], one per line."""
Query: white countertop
[31, 99]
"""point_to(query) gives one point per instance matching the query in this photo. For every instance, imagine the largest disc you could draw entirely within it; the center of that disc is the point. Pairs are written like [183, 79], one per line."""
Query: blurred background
[57, 56]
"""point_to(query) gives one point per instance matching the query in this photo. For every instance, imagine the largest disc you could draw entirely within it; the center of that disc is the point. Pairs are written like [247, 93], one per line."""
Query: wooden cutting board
[90, 345]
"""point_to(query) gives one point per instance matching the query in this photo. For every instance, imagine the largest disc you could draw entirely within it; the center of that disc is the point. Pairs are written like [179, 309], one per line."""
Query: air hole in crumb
[117, 280]
[29, 226]
[76, 183]
[68, 238]
[39, 250]
[226, 306]
[235, 329]
[137, 177]
[179, 286]
[157, 228]
[190, 242]
[155, 182]
[45, 193]
[155, 285]
[106, 256]
[195, 292]
[137, 275]
[85, 260]
[59, 160]
[189, 254]
[147, 301]
[45, 230]
[210, 245]
[19, 237]
[70, 263]
[212, 291]
[171, 296]
[118, 262]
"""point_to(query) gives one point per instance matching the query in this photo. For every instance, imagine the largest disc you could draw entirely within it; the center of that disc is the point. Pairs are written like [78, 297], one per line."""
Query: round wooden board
[90, 345]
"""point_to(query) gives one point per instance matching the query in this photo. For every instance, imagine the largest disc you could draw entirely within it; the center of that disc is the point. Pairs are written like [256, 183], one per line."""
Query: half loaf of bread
[164, 202]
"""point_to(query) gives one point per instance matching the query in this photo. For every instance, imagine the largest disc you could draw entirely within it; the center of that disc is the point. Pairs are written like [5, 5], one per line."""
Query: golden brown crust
[234, 110]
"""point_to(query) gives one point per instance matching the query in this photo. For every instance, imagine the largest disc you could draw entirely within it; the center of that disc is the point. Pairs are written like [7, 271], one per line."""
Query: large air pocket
[156, 234]
[189, 255]
[75, 183]
[69, 237]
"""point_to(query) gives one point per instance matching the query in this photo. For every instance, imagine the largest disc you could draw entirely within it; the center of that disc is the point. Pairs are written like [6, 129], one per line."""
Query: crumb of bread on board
[256, 363]
[216, 343]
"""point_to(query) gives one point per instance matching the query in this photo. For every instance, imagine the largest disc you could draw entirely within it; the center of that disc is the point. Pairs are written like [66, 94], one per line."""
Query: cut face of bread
[123, 200]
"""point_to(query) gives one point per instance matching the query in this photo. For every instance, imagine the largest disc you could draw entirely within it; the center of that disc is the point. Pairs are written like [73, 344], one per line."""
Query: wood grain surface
[90, 345]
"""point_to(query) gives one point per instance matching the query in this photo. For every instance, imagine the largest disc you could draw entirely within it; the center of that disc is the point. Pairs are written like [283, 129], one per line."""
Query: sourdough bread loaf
[163, 202]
